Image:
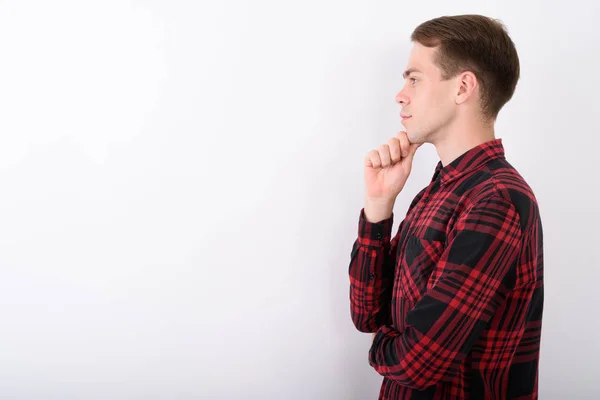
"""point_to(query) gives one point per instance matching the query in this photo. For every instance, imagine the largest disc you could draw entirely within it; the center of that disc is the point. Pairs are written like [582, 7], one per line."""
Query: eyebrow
[409, 71]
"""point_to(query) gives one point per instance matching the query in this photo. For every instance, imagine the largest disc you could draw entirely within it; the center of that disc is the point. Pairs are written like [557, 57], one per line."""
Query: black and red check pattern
[456, 296]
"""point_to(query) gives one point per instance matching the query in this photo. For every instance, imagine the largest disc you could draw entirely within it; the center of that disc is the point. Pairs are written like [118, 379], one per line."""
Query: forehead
[422, 59]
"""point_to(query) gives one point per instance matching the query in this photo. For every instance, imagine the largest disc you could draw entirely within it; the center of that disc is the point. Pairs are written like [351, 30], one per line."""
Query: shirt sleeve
[478, 270]
[371, 273]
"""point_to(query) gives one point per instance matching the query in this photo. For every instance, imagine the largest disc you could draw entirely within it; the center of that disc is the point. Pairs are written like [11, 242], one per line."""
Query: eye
[413, 80]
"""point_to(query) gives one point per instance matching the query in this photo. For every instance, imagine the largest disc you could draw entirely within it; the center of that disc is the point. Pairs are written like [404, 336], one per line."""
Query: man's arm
[373, 254]
[371, 272]
[478, 270]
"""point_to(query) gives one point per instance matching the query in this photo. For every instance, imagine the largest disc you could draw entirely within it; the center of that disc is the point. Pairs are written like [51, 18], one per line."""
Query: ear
[467, 86]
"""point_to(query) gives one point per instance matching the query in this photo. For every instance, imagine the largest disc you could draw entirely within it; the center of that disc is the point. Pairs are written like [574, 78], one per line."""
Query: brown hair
[478, 44]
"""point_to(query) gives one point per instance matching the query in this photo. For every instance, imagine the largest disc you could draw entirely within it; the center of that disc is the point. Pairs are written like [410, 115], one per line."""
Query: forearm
[371, 274]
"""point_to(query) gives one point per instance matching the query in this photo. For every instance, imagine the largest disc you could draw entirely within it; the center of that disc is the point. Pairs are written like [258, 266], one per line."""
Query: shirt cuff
[374, 234]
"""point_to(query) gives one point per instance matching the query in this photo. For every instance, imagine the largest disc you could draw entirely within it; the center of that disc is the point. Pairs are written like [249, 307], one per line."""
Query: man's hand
[388, 167]
[386, 172]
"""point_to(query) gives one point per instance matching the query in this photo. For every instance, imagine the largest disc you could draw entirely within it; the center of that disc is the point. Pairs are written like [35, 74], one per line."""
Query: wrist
[378, 209]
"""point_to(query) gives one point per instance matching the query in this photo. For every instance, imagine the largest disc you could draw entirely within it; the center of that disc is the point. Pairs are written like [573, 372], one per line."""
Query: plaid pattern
[456, 296]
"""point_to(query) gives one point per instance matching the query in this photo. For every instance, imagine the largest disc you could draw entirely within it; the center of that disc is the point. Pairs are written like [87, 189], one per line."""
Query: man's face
[425, 97]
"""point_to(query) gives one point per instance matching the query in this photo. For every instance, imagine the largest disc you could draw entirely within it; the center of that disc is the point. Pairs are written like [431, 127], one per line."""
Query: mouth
[405, 117]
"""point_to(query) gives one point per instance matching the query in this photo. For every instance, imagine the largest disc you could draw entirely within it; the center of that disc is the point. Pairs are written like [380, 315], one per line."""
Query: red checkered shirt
[456, 296]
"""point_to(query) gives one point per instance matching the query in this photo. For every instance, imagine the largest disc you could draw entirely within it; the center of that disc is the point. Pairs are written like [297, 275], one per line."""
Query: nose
[401, 98]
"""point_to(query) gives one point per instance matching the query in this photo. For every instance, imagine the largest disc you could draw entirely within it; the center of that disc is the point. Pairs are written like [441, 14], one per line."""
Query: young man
[455, 298]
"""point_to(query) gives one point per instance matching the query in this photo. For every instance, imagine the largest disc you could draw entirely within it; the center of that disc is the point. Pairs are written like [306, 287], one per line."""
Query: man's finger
[404, 143]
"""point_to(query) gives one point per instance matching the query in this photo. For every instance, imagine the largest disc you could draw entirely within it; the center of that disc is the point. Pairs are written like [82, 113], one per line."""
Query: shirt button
[378, 236]
[371, 276]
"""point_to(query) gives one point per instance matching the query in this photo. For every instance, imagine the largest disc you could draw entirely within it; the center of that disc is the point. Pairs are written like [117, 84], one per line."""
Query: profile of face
[427, 99]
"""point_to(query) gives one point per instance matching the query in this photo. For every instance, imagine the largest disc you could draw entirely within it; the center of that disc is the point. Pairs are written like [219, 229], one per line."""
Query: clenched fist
[388, 168]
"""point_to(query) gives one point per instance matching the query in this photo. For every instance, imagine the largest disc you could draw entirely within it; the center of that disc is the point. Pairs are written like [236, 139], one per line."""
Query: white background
[181, 184]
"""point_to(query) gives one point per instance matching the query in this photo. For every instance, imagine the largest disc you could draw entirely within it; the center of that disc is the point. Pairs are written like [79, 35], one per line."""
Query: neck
[459, 138]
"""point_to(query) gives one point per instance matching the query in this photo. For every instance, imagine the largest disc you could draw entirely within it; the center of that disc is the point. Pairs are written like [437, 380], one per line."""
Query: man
[455, 298]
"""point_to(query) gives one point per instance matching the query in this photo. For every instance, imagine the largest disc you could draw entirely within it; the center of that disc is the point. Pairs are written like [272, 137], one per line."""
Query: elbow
[368, 316]
[364, 324]
[364, 328]
[367, 319]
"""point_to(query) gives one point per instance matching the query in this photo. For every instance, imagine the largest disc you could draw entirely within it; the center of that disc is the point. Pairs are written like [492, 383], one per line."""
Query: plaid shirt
[456, 296]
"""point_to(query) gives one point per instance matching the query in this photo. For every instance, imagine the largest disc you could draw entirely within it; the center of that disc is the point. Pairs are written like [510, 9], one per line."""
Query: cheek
[425, 100]
[445, 94]
[440, 101]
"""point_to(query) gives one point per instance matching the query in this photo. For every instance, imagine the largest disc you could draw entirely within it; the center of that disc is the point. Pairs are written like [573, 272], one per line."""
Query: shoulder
[498, 182]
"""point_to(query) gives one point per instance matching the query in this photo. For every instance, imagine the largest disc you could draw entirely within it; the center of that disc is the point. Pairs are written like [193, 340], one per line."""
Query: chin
[413, 138]
[417, 137]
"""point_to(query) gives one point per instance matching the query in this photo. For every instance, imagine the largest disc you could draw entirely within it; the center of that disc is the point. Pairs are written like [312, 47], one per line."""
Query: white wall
[181, 186]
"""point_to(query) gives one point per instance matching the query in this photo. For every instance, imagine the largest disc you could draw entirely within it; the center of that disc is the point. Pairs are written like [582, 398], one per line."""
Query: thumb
[412, 150]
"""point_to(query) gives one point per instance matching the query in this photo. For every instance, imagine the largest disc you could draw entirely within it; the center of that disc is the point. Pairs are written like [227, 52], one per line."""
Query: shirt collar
[469, 161]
